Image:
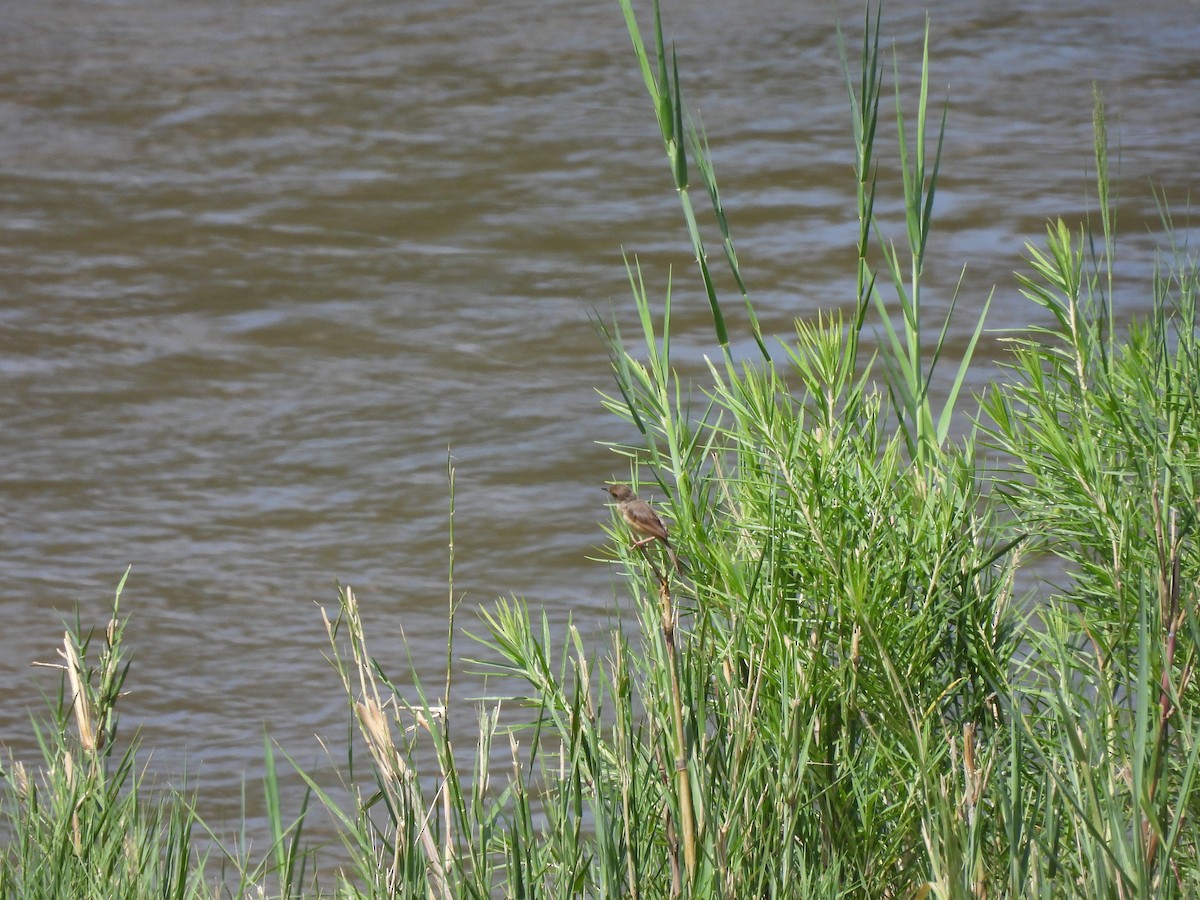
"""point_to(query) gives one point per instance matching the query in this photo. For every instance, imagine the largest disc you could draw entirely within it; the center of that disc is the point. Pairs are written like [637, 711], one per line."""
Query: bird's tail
[674, 557]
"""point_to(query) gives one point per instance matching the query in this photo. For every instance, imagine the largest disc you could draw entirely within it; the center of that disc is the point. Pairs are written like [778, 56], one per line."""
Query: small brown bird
[642, 519]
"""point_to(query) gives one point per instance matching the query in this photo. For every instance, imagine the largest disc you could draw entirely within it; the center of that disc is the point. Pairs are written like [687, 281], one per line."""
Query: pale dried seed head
[21, 777]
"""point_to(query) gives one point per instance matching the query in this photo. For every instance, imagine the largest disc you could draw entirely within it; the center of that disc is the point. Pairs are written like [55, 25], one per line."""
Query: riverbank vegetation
[918, 647]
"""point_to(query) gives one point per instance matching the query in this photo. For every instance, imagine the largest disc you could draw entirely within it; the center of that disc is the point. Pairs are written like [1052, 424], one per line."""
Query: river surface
[264, 265]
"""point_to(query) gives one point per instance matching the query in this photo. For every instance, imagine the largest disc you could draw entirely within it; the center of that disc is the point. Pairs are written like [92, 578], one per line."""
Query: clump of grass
[85, 822]
[828, 699]
[1103, 436]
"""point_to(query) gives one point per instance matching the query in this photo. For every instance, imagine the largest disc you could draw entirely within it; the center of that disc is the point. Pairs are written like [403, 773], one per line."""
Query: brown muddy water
[264, 264]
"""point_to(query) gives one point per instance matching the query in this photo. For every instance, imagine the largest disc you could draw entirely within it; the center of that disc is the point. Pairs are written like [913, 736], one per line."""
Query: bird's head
[620, 492]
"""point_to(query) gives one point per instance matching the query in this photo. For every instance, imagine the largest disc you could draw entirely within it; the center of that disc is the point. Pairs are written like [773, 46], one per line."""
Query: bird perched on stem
[642, 520]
